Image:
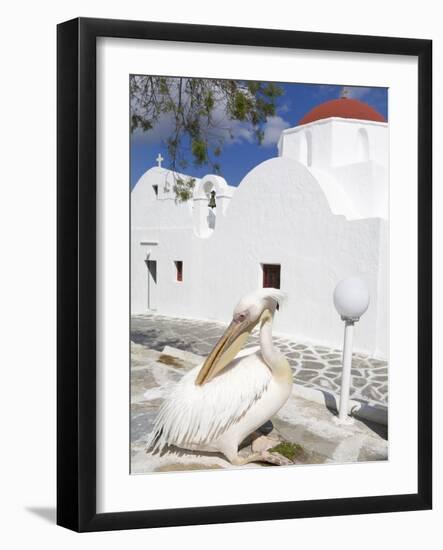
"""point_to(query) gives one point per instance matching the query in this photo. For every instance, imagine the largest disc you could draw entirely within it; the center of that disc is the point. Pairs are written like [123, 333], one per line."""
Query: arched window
[362, 145]
[210, 196]
[208, 186]
[305, 148]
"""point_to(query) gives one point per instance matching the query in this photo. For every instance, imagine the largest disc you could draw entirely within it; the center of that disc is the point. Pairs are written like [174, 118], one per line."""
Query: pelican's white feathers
[272, 294]
[193, 416]
[215, 410]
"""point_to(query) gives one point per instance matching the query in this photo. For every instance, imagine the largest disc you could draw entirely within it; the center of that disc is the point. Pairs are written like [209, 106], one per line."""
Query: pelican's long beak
[225, 350]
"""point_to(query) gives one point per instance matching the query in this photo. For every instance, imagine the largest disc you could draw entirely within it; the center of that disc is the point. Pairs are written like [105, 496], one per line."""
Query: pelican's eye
[240, 317]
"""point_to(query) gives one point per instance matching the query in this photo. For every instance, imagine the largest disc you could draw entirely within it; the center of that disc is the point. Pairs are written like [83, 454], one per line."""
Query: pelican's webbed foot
[263, 456]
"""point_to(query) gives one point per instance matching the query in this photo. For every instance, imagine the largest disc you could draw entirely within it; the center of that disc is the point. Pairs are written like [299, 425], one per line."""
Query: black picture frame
[76, 265]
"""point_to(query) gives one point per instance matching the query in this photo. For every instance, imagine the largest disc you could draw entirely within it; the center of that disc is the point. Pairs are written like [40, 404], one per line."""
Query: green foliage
[183, 188]
[199, 151]
[288, 449]
[201, 113]
[242, 105]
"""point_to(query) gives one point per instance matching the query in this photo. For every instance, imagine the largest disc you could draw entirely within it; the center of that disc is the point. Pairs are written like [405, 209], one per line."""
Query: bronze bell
[211, 202]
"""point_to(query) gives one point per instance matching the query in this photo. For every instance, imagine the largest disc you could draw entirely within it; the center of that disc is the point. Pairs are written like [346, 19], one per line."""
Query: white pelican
[216, 405]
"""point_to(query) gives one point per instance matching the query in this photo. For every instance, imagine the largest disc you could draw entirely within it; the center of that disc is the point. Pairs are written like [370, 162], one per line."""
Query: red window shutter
[271, 275]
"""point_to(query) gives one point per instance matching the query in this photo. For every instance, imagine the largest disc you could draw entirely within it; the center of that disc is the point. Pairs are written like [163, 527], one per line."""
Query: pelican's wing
[195, 415]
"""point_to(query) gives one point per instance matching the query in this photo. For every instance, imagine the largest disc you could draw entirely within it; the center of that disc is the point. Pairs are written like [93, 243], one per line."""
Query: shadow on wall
[211, 219]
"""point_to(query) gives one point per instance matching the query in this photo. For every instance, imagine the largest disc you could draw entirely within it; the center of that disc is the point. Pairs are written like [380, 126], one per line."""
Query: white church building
[301, 221]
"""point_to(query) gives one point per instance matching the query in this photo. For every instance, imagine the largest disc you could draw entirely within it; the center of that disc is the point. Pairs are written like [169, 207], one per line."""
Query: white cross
[159, 160]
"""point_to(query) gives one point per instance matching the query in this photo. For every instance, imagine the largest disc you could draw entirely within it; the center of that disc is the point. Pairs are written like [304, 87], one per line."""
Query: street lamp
[351, 300]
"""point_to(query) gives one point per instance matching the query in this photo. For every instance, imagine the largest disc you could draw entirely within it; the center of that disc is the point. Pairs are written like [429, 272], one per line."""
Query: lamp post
[351, 300]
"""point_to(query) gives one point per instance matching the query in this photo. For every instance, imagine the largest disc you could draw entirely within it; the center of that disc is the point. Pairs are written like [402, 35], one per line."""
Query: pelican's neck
[269, 353]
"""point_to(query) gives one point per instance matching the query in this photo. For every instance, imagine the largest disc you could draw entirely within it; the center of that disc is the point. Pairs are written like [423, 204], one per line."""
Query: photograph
[259, 292]
[221, 272]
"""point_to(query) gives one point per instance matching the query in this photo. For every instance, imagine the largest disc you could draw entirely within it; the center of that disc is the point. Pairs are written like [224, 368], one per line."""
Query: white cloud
[226, 129]
[367, 93]
[273, 129]
[358, 92]
[240, 132]
[284, 108]
[161, 131]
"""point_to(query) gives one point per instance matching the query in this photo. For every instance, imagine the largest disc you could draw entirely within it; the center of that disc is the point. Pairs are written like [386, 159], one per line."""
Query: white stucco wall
[278, 214]
[349, 158]
[336, 142]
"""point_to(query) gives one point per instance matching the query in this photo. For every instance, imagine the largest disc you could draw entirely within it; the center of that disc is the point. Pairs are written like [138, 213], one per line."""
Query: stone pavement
[304, 424]
[314, 366]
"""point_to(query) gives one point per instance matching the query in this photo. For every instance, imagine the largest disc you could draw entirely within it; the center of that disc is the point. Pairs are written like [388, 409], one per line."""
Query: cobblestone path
[314, 366]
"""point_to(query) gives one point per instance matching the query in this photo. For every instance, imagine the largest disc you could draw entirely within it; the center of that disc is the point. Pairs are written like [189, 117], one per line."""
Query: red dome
[342, 108]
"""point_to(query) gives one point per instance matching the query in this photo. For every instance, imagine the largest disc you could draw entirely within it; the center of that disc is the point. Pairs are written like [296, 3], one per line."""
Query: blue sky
[241, 155]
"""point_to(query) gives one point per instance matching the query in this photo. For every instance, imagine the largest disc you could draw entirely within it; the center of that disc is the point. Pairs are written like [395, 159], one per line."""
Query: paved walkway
[314, 366]
[306, 425]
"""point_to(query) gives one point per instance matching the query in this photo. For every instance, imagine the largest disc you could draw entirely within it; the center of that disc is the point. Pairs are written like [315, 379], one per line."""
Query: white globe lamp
[351, 300]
